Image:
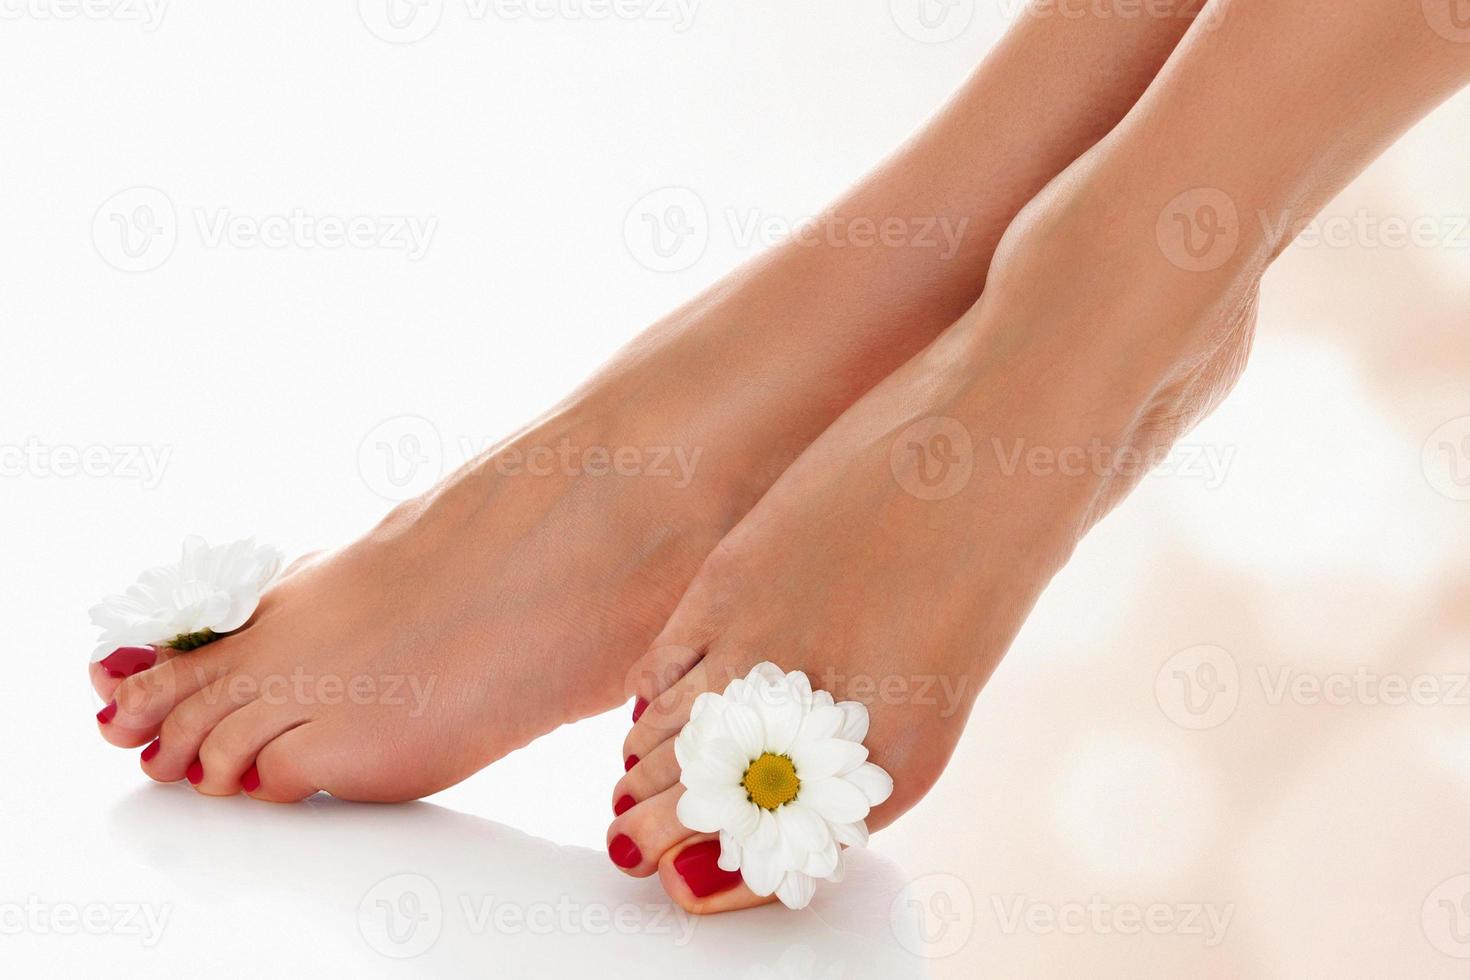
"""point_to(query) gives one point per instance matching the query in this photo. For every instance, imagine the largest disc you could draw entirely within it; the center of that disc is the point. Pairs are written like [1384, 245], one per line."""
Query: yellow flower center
[771, 781]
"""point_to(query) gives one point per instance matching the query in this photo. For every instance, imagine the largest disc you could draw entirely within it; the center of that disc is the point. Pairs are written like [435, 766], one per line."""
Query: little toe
[639, 837]
[282, 772]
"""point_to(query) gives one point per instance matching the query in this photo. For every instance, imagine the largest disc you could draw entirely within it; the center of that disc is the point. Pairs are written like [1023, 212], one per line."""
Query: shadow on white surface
[418, 889]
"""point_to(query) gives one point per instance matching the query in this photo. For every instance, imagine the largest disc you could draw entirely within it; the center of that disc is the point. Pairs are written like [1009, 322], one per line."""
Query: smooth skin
[1098, 327]
[503, 604]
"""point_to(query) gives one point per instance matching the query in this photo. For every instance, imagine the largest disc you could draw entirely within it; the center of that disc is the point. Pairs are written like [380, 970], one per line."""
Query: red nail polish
[623, 805]
[698, 864]
[639, 707]
[195, 772]
[630, 762]
[624, 852]
[127, 661]
[151, 750]
[250, 782]
[105, 715]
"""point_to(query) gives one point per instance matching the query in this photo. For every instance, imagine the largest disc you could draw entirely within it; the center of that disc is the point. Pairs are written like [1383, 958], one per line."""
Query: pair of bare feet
[891, 464]
[893, 559]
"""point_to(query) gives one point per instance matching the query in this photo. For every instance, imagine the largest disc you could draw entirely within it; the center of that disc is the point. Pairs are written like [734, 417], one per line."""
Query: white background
[264, 377]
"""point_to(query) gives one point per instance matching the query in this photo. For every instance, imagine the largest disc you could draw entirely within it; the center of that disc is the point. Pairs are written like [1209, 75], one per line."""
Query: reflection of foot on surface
[355, 888]
[891, 581]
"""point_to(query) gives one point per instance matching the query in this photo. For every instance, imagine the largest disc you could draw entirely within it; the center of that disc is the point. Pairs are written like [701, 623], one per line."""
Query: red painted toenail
[250, 782]
[127, 661]
[630, 762]
[151, 750]
[195, 772]
[624, 852]
[639, 707]
[699, 866]
[623, 805]
[105, 715]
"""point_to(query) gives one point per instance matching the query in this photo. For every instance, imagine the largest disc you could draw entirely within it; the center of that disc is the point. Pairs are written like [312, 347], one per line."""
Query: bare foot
[897, 558]
[514, 597]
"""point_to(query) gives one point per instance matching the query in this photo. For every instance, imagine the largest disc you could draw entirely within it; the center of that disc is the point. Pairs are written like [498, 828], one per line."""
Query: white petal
[875, 783]
[706, 702]
[801, 686]
[827, 757]
[761, 872]
[706, 811]
[765, 836]
[803, 827]
[746, 820]
[796, 890]
[821, 699]
[855, 720]
[823, 721]
[238, 613]
[743, 723]
[853, 834]
[765, 673]
[835, 799]
[822, 863]
[729, 852]
[839, 870]
[782, 715]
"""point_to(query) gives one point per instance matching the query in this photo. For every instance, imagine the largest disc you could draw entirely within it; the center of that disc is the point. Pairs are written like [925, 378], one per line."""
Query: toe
[228, 753]
[637, 839]
[656, 671]
[692, 877]
[184, 730]
[667, 713]
[282, 773]
[141, 702]
[106, 674]
[649, 777]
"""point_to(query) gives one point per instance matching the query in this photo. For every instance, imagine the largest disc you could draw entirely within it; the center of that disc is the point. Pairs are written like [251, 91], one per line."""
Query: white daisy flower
[780, 772]
[186, 605]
